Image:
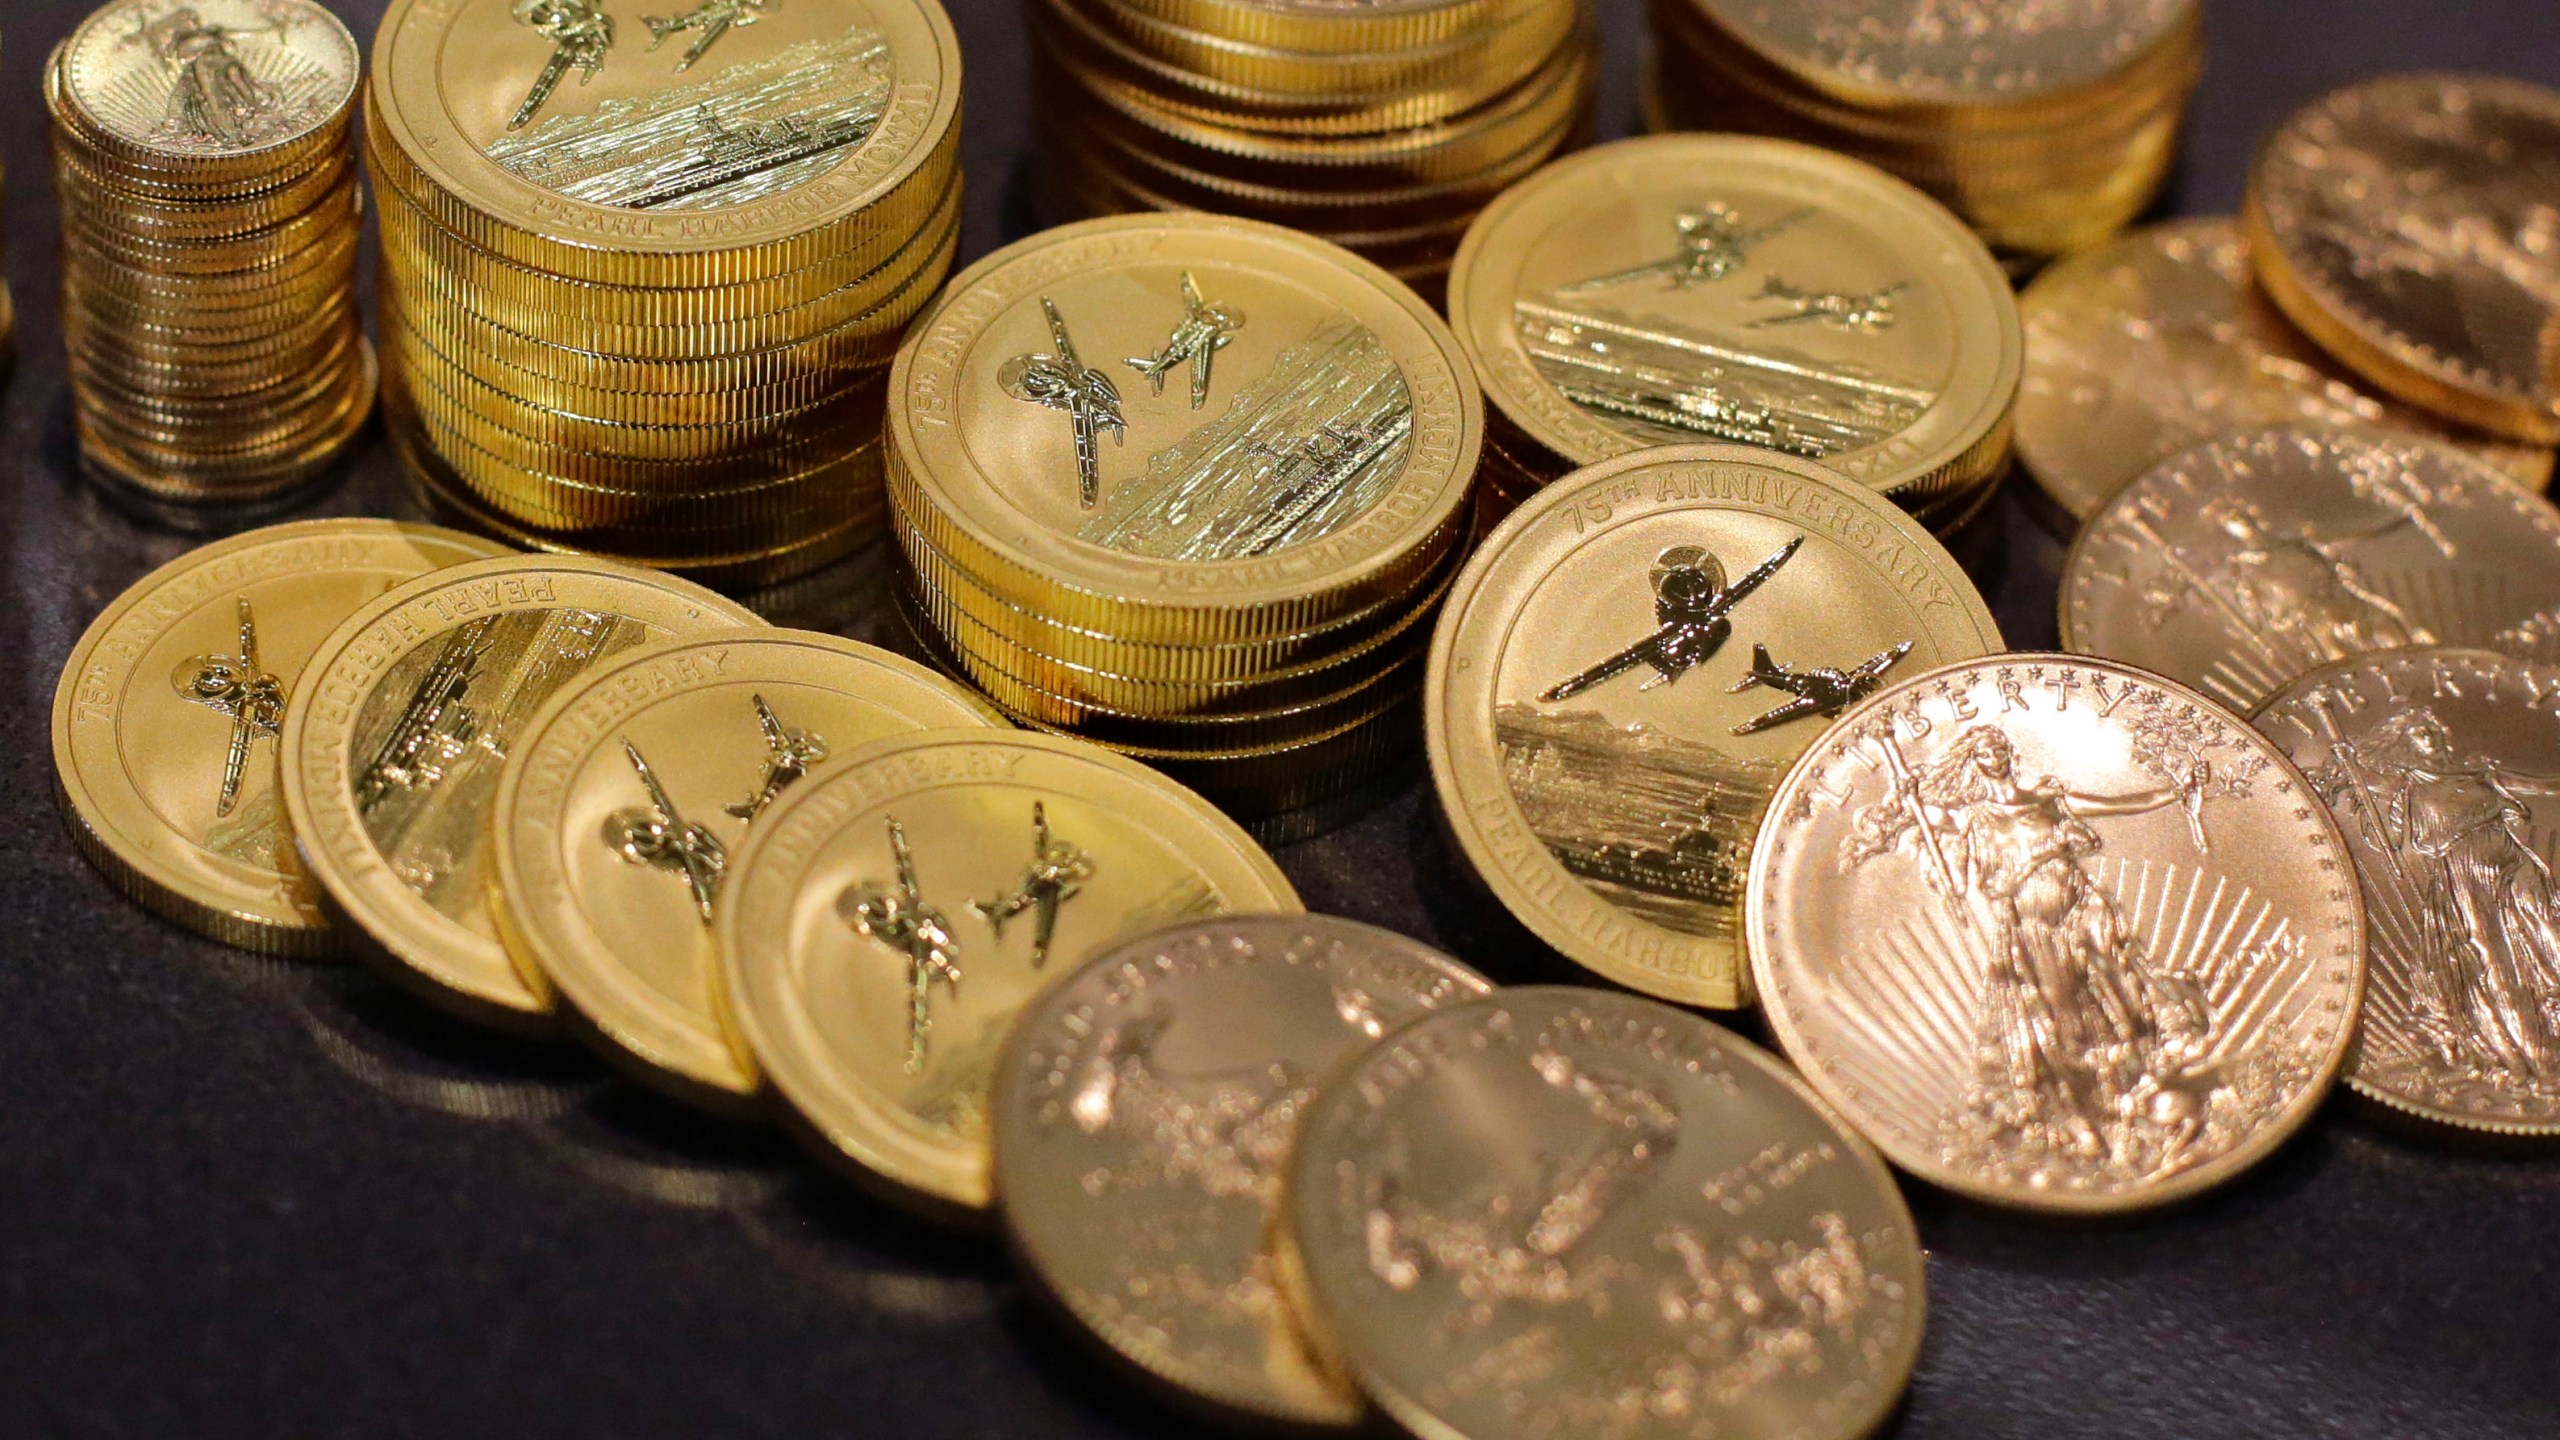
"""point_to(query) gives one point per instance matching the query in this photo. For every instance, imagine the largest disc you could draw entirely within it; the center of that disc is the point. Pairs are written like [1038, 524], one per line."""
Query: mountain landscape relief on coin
[211, 77]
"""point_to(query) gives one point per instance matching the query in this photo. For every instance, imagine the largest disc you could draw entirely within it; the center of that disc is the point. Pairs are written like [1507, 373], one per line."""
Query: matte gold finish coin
[1626, 667]
[1143, 1116]
[2440, 768]
[889, 917]
[2250, 559]
[2057, 933]
[166, 718]
[629, 790]
[1566, 1211]
[412, 704]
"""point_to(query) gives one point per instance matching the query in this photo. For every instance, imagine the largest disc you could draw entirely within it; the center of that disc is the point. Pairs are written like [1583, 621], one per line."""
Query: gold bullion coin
[619, 807]
[166, 718]
[2406, 223]
[888, 919]
[1575, 1212]
[1628, 664]
[2161, 340]
[1686, 288]
[1144, 1112]
[2442, 768]
[209, 85]
[1183, 428]
[411, 706]
[2255, 557]
[2057, 933]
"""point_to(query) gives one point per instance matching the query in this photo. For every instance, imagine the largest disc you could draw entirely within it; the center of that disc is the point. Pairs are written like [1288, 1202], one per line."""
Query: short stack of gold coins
[206, 175]
[643, 273]
[2046, 135]
[1383, 130]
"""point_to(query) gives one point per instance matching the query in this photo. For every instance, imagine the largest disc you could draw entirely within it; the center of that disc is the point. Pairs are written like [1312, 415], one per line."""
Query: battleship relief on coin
[2442, 767]
[211, 77]
[2055, 935]
[1977, 49]
[2248, 560]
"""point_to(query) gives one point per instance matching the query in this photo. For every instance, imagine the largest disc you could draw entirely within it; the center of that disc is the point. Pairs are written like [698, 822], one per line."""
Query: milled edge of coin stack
[1383, 131]
[208, 279]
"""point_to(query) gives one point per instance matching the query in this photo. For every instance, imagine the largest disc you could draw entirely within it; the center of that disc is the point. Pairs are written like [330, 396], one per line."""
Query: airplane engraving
[1816, 690]
[580, 33]
[1057, 874]
[1063, 382]
[900, 919]
[1692, 607]
[238, 688]
[1712, 244]
[1862, 311]
[658, 836]
[789, 752]
[712, 19]
[1203, 331]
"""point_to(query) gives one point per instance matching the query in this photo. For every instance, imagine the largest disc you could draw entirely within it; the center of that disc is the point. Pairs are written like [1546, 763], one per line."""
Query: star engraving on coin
[1204, 330]
[1063, 382]
[1056, 875]
[241, 690]
[898, 917]
[659, 836]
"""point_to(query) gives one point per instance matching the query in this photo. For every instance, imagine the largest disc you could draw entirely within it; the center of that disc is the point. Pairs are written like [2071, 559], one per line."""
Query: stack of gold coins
[1383, 130]
[640, 287]
[2046, 127]
[206, 177]
[1189, 486]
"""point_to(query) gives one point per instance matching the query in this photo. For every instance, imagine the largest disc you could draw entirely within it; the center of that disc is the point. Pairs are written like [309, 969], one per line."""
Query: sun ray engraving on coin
[1203, 331]
[1865, 311]
[1712, 241]
[709, 21]
[240, 689]
[213, 96]
[898, 917]
[1060, 380]
[789, 752]
[209, 77]
[1814, 690]
[657, 835]
[580, 33]
[1692, 610]
[1059, 868]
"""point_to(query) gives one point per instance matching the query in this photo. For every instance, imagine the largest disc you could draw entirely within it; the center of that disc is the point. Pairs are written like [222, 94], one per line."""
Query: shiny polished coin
[391, 763]
[1627, 666]
[889, 917]
[1693, 288]
[2057, 933]
[1996, 61]
[209, 86]
[629, 790]
[1143, 1116]
[166, 718]
[1323, 26]
[2250, 559]
[2160, 341]
[1565, 1211]
[2406, 222]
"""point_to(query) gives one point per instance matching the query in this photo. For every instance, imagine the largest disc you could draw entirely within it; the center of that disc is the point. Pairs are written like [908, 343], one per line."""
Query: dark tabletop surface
[241, 1197]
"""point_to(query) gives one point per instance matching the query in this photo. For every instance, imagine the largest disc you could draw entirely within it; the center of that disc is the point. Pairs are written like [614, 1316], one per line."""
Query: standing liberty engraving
[789, 752]
[580, 33]
[658, 836]
[1692, 608]
[2295, 589]
[1711, 242]
[239, 688]
[1226, 1133]
[1203, 331]
[214, 96]
[1814, 690]
[1057, 874]
[1061, 381]
[709, 20]
[1865, 311]
[898, 917]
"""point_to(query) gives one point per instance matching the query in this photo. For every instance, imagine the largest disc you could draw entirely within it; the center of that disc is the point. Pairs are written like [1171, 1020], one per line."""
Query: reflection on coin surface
[179, 79]
[166, 719]
[410, 708]
[2408, 223]
[2056, 933]
[627, 795]
[2161, 340]
[889, 917]
[2442, 768]
[1625, 669]
[2250, 559]
[1923, 50]
[1560, 1211]
[1144, 1113]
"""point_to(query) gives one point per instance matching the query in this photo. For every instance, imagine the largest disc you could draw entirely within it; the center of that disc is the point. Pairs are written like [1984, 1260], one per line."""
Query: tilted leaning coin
[2057, 933]
[619, 807]
[166, 718]
[2442, 768]
[391, 762]
[1144, 1111]
[1625, 669]
[2249, 559]
[1559, 1211]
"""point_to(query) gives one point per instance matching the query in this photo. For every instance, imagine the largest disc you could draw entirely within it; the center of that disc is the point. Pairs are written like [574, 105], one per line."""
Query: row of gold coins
[639, 299]
[1384, 132]
[206, 172]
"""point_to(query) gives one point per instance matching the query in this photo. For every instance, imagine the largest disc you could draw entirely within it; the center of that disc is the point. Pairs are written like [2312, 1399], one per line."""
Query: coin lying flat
[2442, 768]
[2057, 933]
[2249, 559]
[1144, 1110]
[1625, 669]
[412, 704]
[166, 718]
[626, 795]
[889, 917]
[1570, 1212]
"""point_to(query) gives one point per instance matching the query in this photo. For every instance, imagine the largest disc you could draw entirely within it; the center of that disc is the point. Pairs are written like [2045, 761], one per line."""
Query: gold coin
[1558, 1207]
[2057, 933]
[1686, 288]
[1143, 1114]
[216, 86]
[166, 717]
[1321, 27]
[1629, 663]
[629, 790]
[886, 921]
[391, 762]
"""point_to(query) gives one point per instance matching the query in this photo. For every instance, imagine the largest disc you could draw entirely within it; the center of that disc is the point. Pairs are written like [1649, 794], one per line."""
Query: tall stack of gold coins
[1189, 486]
[641, 284]
[2046, 127]
[206, 176]
[1383, 130]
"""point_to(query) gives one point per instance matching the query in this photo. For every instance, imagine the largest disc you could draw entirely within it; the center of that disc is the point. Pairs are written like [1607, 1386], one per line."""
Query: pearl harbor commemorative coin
[2057, 934]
